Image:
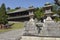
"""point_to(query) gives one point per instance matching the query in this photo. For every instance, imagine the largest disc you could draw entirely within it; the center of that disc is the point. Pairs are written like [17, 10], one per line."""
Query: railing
[18, 17]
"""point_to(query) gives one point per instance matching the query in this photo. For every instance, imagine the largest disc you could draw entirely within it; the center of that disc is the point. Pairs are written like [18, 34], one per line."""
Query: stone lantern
[31, 14]
[31, 10]
[49, 26]
[31, 28]
[48, 11]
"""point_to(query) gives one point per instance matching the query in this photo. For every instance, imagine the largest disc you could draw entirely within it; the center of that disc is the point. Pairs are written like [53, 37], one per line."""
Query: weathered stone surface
[50, 28]
[31, 28]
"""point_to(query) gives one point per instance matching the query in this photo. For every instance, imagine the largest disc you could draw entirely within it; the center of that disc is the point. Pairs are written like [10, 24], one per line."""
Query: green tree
[8, 8]
[57, 19]
[3, 14]
[56, 10]
[39, 13]
[17, 7]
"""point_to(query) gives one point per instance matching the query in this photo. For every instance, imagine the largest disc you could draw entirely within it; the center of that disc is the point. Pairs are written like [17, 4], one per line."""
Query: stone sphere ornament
[57, 2]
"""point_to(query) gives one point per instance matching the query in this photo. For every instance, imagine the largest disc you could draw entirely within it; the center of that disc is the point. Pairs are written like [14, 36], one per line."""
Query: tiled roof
[20, 10]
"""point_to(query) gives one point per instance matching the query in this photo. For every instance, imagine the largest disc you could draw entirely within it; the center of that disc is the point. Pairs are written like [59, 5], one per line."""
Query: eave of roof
[56, 15]
[21, 10]
[47, 6]
[18, 17]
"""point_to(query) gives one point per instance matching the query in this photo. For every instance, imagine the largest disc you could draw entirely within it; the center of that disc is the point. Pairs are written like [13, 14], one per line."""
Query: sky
[24, 3]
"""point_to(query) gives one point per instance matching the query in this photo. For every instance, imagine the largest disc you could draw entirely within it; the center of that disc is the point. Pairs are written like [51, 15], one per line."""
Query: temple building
[21, 14]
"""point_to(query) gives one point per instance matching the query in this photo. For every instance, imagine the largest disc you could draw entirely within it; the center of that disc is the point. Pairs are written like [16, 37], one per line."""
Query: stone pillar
[49, 26]
[31, 17]
[31, 28]
[31, 13]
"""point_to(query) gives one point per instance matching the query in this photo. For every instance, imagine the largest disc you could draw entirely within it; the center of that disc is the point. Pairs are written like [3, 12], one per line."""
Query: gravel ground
[12, 35]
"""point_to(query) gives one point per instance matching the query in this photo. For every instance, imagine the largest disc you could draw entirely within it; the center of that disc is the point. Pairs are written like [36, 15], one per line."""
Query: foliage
[8, 8]
[57, 19]
[3, 14]
[17, 7]
[56, 10]
[11, 10]
[39, 13]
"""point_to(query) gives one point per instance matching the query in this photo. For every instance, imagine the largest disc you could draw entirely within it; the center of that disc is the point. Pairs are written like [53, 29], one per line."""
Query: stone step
[38, 38]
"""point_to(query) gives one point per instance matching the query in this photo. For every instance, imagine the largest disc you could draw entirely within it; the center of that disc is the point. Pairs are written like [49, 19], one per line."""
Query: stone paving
[12, 35]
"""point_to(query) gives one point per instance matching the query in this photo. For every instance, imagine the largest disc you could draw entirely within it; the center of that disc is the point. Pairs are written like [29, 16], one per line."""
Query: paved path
[12, 35]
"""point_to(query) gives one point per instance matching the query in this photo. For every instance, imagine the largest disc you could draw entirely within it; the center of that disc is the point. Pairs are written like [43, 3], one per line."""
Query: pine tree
[8, 8]
[3, 14]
